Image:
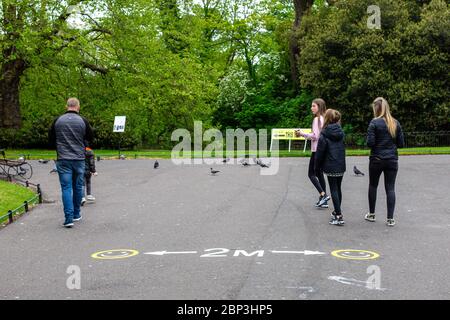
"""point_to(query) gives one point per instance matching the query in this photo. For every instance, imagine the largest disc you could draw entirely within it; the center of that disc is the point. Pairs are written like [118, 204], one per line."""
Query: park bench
[13, 169]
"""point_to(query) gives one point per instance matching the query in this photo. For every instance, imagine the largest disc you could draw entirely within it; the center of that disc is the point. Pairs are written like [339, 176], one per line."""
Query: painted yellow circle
[115, 254]
[351, 254]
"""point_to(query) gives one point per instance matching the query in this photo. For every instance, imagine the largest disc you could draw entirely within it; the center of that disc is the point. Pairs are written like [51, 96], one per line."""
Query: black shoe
[324, 206]
[323, 202]
[68, 224]
[317, 203]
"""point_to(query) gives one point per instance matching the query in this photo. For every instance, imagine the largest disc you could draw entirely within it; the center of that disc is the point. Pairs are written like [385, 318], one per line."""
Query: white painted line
[162, 253]
[354, 282]
[306, 252]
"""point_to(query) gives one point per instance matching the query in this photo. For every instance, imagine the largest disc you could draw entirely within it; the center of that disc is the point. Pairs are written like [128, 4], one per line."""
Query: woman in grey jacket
[384, 136]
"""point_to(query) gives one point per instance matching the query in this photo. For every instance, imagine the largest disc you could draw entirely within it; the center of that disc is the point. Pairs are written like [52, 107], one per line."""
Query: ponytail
[381, 110]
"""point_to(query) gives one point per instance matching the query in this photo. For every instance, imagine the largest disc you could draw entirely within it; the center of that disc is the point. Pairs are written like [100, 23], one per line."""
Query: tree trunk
[11, 72]
[250, 66]
[301, 7]
[12, 67]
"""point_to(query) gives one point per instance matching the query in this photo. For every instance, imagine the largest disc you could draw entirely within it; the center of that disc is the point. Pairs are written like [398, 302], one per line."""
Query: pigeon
[226, 160]
[156, 166]
[245, 164]
[257, 161]
[357, 172]
[214, 172]
[122, 157]
[263, 165]
[55, 170]
[43, 161]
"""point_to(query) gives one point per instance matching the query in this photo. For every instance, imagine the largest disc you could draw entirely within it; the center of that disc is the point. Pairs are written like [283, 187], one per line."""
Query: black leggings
[316, 176]
[336, 193]
[390, 169]
[87, 180]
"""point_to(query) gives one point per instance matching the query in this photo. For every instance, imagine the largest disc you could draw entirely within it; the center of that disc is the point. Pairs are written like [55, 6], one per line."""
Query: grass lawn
[35, 154]
[12, 196]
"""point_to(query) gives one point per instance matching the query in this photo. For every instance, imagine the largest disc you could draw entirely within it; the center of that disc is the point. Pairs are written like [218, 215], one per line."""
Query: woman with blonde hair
[318, 108]
[384, 137]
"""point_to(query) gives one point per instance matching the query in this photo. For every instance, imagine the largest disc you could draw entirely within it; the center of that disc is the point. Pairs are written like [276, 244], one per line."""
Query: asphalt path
[273, 243]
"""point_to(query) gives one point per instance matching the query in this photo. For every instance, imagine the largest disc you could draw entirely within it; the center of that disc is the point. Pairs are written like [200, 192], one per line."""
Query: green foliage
[167, 63]
[157, 88]
[406, 61]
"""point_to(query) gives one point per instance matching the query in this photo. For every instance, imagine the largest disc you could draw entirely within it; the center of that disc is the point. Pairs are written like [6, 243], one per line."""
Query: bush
[406, 62]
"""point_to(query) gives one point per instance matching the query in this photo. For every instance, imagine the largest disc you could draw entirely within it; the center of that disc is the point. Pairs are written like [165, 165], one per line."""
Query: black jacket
[379, 139]
[90, 162]
[330, 155]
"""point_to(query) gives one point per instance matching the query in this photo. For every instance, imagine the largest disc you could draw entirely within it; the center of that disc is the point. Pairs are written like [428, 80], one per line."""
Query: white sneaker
[371, 217]
[90, 198]
[390, 223]
[83, 201]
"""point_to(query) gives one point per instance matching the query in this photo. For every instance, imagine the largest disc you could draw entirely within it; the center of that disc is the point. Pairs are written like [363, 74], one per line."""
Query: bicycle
[15, 169]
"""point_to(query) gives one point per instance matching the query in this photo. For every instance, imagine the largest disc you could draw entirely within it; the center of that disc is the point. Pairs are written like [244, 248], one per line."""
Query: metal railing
[431, 139]
[427, 139]
[25, 207]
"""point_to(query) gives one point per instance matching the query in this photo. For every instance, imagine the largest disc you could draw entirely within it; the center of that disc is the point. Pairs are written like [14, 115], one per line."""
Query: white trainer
[370, 217]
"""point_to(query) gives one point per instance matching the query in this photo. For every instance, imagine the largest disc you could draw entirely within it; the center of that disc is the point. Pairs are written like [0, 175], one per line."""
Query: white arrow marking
[354, 282]
[306, 252]
[161, 253]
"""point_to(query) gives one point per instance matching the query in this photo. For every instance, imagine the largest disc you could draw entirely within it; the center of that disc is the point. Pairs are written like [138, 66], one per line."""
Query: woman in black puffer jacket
[330, 158]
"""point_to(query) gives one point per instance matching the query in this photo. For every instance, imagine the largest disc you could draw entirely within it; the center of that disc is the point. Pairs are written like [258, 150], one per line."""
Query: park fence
[25, 207]
[430, 139]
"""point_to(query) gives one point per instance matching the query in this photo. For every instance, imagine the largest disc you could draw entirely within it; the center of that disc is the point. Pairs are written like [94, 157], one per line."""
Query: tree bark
[12, 67]
[300, 7]
[11, 73]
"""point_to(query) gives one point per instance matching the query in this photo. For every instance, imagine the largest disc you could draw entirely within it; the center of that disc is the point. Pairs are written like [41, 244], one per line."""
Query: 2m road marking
[223, 253]
[306, 252]
[162, 253]
[349, 254]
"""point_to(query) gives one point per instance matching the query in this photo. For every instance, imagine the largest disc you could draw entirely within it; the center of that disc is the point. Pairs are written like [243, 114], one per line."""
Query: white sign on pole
[119, 124]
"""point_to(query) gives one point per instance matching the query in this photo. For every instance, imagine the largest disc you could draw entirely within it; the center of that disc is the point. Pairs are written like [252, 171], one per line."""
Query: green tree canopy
[228, 63]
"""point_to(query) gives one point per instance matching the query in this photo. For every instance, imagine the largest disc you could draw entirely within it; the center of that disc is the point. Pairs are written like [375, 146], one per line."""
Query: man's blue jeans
[71, 178]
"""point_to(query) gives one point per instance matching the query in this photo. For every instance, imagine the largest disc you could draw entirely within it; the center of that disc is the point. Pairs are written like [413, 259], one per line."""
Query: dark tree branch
[94, 67]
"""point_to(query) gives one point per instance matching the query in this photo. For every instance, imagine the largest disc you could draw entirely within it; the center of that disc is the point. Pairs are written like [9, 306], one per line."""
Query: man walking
[69, 134]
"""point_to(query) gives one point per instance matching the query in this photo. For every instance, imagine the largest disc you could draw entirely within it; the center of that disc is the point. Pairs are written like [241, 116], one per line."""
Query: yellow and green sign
[288, 134]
